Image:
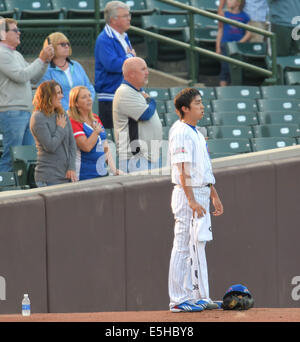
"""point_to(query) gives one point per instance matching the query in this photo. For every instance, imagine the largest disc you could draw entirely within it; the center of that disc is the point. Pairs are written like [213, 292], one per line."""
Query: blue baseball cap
[239, 289]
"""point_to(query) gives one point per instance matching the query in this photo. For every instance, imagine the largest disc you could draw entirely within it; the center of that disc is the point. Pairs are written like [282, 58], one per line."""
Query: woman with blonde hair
[93, 153]
[64, 70]
[53, 135]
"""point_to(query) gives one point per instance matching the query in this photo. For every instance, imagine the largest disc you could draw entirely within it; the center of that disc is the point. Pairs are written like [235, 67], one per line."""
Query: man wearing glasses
[16, 76]
[111, 50]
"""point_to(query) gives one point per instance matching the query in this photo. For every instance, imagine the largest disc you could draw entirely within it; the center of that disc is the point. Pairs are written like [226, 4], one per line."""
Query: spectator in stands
[283, 18]
[16, 76]
[93, 153]
[137, 127]
[53, 136]
[258, 13]
[229, 33]
[65, 71]
[111, 50]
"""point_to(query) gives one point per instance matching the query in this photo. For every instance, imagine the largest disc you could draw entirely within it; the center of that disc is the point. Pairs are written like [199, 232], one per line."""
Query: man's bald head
[131, 64]
[135, 71]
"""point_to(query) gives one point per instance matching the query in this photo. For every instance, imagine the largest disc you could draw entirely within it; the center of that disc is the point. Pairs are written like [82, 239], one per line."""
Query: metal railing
[96, 22]
[191, 47]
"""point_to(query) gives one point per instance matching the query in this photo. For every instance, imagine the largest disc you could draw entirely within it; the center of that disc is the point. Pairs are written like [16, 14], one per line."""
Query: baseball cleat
[210, 305]
[219, 303]
[188, 307]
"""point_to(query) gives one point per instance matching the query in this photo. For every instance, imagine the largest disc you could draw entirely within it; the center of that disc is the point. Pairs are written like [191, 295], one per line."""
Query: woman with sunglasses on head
[64, 70]
[52, 131]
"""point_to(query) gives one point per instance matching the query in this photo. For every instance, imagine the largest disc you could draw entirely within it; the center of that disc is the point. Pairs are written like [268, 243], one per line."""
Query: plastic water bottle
[26, 306]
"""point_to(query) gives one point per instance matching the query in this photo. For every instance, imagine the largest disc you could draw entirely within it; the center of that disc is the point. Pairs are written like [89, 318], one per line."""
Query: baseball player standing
[194, 188]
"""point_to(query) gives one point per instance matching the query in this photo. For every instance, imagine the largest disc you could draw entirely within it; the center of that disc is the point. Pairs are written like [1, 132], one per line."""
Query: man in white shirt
[137, 127]
[194, 187]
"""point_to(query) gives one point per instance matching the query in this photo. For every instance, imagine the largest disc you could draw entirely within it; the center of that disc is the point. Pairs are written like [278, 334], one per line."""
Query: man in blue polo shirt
[111, 50]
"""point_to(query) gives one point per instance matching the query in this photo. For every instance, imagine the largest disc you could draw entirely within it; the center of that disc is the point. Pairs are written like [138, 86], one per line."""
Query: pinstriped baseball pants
[181, 276]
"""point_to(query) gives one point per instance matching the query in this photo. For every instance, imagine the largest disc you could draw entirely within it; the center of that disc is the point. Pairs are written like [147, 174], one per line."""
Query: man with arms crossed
[193, 179]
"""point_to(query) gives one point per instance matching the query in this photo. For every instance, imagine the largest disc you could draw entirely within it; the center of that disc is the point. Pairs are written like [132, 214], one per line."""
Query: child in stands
[229, 33]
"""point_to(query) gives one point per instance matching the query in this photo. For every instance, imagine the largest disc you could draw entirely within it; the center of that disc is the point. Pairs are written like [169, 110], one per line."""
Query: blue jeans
[14, 125]
[225, 71]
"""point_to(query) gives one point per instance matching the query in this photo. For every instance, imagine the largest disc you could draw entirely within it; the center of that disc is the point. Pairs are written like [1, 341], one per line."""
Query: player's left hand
[198, 210]
[219, 210]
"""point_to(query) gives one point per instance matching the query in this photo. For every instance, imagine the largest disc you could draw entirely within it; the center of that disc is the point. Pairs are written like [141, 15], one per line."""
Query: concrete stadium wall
[104, 245]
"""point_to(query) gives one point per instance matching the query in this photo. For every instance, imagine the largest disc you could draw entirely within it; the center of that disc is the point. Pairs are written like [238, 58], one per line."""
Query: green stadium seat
[110, 134]
[160, 107]
[252, 53]
[170, 118]
[205, 38]
[161, 94]
[207, 94]
[95, 108]
[8, 181]
[33, 9]
[207, 106]
[220, 132]
[165, 132]
[24, 159]
[164, 8]
[222, 155]
[276, 130]
[292, 77]
[202, 130]
[170, 107]
[261, 144]
[279, 117]
[5, 13]
[169, 25]
[284, 64]
[248, 49]
[1, 143]
[208, 5]
[75, 9]
[203, 21]
[162, 119]
[232, 105]
[268, 105]
[280, 91]
[174, 91]
[228, 145]
[234, 118]
[206, 120]
[238, 92]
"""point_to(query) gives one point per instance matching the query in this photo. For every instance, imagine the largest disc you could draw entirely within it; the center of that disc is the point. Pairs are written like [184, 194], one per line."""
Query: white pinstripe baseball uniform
[187, 145]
